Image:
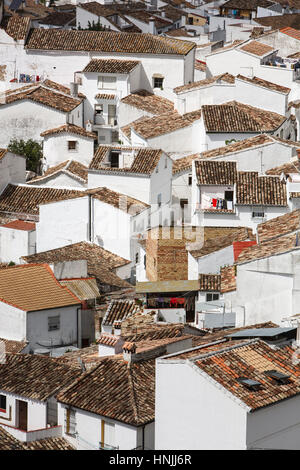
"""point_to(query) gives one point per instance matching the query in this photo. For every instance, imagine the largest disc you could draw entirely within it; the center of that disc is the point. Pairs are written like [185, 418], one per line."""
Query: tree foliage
[32, 150]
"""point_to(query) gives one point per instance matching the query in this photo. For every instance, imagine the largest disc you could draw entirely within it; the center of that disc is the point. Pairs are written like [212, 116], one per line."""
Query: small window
[72, 145]
[249, 383]
[258, 214]
[136, 258]
[101, 138]
[3, 402]
[159, 200]
[166, 163]
[210, 297]
[145, 261]
[107, 82]
[70, 422]
[158, 82]
[54, 323]
[190, 180]
[279, 377]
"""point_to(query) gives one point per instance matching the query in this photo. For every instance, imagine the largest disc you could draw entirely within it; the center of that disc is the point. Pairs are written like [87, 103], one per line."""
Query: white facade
[56, 149]
[15, 243]
[117, 435]
[12, 169]
[26, 119]
[212, 418]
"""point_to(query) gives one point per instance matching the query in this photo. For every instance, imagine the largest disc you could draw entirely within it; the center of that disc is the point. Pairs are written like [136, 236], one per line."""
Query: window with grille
[210, 297]
[72, 145]
[54, 323]
[158, 82]
[2, 402]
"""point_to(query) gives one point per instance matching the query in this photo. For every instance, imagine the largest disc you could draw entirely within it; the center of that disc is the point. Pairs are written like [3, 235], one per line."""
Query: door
[22, 405]
[111, 114]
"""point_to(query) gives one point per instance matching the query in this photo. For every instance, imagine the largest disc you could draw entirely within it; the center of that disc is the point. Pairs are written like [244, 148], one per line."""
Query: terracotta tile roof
[215, 172]
[12, 346]
[16, 26]
[287, 168]
[219, 242]
[33, 287]
[89, 356]
[237, 117]
[294, 33]
[153, 332]
[178, 32]
[26, 199]
[41, 95]
[252, 360]
[281, 21]
[279, 226]
[20, 225]
[70, 167]
[3, 152]
[146, 16]
[120, 201]
[58, 18]
[100, 262]
[34, 376]
[51, 443]
[118, 310]
[70, 129]
[228, 279]
[261, 190]
[232, 45]
[164, 123]
[224, 77]
[148, 102]
[200, 65]
[104, 41]
[97, 9]
[294, 195]
[83, 288]
[247, 4]
[296, 55]
[61, 88]
[269, 248]
[115, 389]
[144, 162]
[111, 65]
[265, 84]
[105, 96]
[108, 340]
[210, 282]
[8, 442]
[257, 48]
[184, 163]
[256, 141]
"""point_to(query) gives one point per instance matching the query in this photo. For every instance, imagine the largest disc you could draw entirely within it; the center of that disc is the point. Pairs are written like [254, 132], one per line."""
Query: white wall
[12, 322]
[60, 180]
[12, 169]
[55, 149]
[211, 264]
[37, 327]
[136, 186]
[36, 417]
[199, 422]
[15, 243]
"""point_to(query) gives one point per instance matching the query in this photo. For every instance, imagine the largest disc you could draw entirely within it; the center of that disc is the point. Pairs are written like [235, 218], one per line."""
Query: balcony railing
[103, 446]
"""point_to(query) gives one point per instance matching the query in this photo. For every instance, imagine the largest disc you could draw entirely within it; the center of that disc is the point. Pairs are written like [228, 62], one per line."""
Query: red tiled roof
[294, 33]
[238, 247]
[20, 225]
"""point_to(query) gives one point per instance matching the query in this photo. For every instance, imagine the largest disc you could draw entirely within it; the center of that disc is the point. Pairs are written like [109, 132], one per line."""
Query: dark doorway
[22, 415]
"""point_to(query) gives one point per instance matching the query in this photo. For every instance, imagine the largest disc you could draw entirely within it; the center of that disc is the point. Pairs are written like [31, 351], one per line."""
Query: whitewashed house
[239, 398]
[105, 82]
[27, 111]
[29, 385]
[267, 273]
[223, 196]
[142, 173]
[117, 311]
[12, 168]
[68, 174]
[100, 215]
[96, 12]
[37, 309]
[17, 238]
[95, 417]
[67, 142]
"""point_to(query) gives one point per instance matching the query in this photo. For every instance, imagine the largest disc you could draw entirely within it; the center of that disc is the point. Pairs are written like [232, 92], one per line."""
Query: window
[70, 422]
[158, 82]
[159, 200]
[54, 323]
[107, 82]
[166, 163]
[3, 402]
[258, 214]
[210, 297]
[190, 180]
[229, 195]
[249, 383]
[145, 261]
[112, 121]
[114, 159]
[136, 258]
[72, 145]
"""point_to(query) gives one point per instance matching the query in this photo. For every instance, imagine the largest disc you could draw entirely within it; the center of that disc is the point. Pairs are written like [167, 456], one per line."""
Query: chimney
[129, 352]
[74, 89]
[163, 13]
[89, 126]
[183, 20]
[117, 327]
[152, 29]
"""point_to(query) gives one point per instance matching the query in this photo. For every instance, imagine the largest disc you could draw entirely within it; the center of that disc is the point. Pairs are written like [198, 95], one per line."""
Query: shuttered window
[70, 422]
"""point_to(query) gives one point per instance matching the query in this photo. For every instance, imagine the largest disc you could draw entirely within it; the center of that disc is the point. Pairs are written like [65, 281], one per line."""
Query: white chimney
[183, 20]
[74, 89]
[129, 352]
[152, 29]
[163, 13]
[89, 126]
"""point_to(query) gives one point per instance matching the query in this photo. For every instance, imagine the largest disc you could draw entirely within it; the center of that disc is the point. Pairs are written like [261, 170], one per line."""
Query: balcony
[214, 210]
[35, 435]
[103, 446]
